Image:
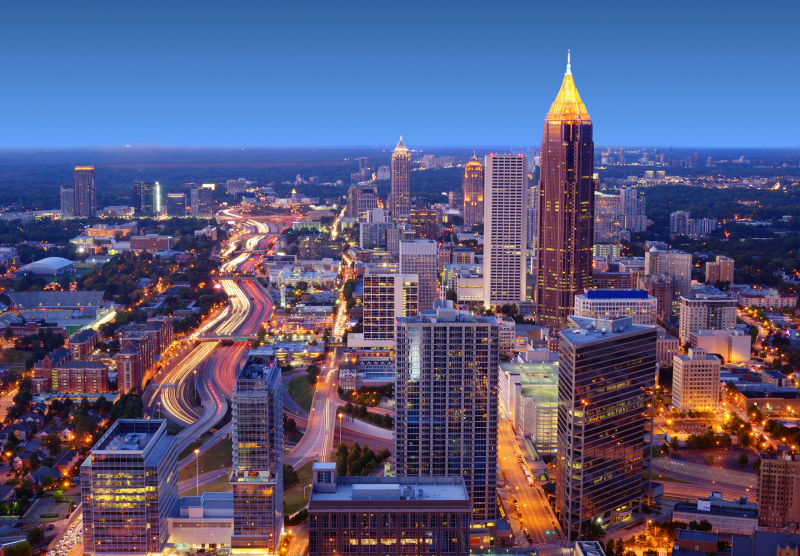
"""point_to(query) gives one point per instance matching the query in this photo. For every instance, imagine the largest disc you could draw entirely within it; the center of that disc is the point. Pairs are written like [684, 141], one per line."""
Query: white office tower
[387, 296]
[695, 381]
[505, 229]
[603, 304]
[421, 257]
[446, 389]
[257, 473]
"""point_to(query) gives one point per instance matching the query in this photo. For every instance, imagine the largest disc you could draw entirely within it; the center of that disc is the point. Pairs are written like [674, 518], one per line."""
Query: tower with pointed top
[473, 192]
[566, 207]
[401, 174]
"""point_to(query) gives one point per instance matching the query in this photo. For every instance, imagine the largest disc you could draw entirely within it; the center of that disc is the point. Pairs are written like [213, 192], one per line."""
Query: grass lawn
[173, 428]
[302, 392]
[658, 477]
[216, 457]
[294, 498]
[220, 485]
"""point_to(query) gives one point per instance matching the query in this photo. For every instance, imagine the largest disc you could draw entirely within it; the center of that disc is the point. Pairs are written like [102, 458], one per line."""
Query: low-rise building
[695, 381]
[688, 540]
[667, 347]
[599, 304]
[771, 400]
[528, 394]
[85, 377]
[152, 243]
[387, 515]
[82, 343]
[763, 298]
[202, 521]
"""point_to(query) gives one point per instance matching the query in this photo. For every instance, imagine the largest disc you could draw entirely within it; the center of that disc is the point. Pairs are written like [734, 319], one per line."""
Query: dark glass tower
[146, 198]
[566, 207]
[85, 203]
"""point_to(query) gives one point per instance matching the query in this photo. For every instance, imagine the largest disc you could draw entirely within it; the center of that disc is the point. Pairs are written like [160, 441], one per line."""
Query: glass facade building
[84, 193]
[129, 484]
[401, 176]
[146, 198]
[607, 370]
[257, 474]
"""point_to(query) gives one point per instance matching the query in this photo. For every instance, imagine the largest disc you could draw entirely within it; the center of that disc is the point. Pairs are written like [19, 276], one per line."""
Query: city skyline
[319, 104]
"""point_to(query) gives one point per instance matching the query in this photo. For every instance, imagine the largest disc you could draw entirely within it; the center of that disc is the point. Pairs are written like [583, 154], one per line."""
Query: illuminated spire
[401, 146]
[568, 106]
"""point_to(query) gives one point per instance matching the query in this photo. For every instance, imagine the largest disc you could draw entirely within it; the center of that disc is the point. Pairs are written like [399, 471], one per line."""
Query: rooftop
[614, 294]
[131, 435]
[588, 330]
[51, 299]
[395, 489]
[700, 536]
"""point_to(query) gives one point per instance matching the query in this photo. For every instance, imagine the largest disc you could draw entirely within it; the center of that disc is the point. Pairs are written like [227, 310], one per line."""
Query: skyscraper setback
[566, 206]
[401, 174]
[473, 192]
[83, 185]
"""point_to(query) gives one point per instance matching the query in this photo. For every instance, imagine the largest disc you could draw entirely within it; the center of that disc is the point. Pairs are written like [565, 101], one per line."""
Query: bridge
[239, 278]
[224, 337]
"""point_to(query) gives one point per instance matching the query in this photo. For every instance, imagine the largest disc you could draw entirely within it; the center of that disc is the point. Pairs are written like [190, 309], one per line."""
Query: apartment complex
[129, 484]
[600, 304]
[257, 473]
[446, 363]
[387, 296]
[84, 196]
[720, 270]
[421, 257]
[662, 287]
[599, 462]
[695, 381]
[505, 228]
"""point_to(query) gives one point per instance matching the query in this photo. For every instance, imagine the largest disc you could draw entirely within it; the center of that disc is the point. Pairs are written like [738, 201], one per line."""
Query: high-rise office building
[674, 263]
[719, 271]
[662, 287]
[566, 207]
[421, 257]
[257, 473]
[387, 296]
[779, 488]
[176, 204]
[602, 304]
[425, 223]
[695, 381]
[146, 198]
[632, 209]
[533, 218]
[504, 229]
[83, 184]
[599, 461]
[67, 203]
[401, 176]
[473, 192]
[705, 308]
[203, 202]
[129, 484]
[367, 200]
[446, 390]
[606, 218]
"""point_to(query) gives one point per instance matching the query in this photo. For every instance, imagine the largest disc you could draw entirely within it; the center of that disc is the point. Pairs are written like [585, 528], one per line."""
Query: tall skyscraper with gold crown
[566, 207]
[473, 192]
[401, 175]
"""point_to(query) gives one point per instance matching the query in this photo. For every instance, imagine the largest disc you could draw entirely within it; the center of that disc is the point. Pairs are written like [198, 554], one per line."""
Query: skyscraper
[632, 209]
[566, 207]
[129, 484]
[401, 175]
[67, 203]
[83, 184]
[387, 296]
[473, 192]
[146, 198]
[352, 202]
[202, 202]
[533, 218]
[257, 473]
[606, 218]
[674, 263]
[421, 257]
[176, 204]
[599, 462]
[505, 217]
[425, 223]
[366, 200]
[446, 420]
[363, 167]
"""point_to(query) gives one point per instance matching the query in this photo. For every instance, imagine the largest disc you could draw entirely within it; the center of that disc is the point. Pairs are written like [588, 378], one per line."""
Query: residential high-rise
[695, 381]
[203, 202]
[367, 201]
[473, 192]
[129, 484]
[606, 218]
[425, 223]
[176, 204]
[421, 257]
[779, 488]
[146, 198]
[705, 309]
[662, 287]
[566, 207]
[674, 263]
[599, 461]
[401, 176]
[504, 229]
[533, 218]
[257, 473]
[387, 296]
[352, 202]
[446, 421]
[363, 167]
[632, 209]
[601, 304]
[67, 203]
[719, 271]
[83, 184]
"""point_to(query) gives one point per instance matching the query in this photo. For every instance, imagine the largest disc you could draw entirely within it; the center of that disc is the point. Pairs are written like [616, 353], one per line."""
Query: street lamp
[197, 468]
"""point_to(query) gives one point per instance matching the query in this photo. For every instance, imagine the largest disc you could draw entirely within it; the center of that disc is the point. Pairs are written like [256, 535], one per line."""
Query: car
[51, 527]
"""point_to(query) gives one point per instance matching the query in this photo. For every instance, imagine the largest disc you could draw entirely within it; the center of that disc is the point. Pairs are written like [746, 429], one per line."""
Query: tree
[35, 536]
[52, 442]
[313, 374]
[23, 548]
[610, 547]
[47, 481]
[58, 497]
[674, 443]
[709, 459]
[290, 477]
[451, 295]
[593, 531]
[619, 548]
[742, 459]
[35, 461]
[8, 333]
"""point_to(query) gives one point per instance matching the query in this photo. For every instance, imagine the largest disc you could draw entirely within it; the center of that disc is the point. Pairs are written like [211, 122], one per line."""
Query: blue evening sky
[235, 73]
